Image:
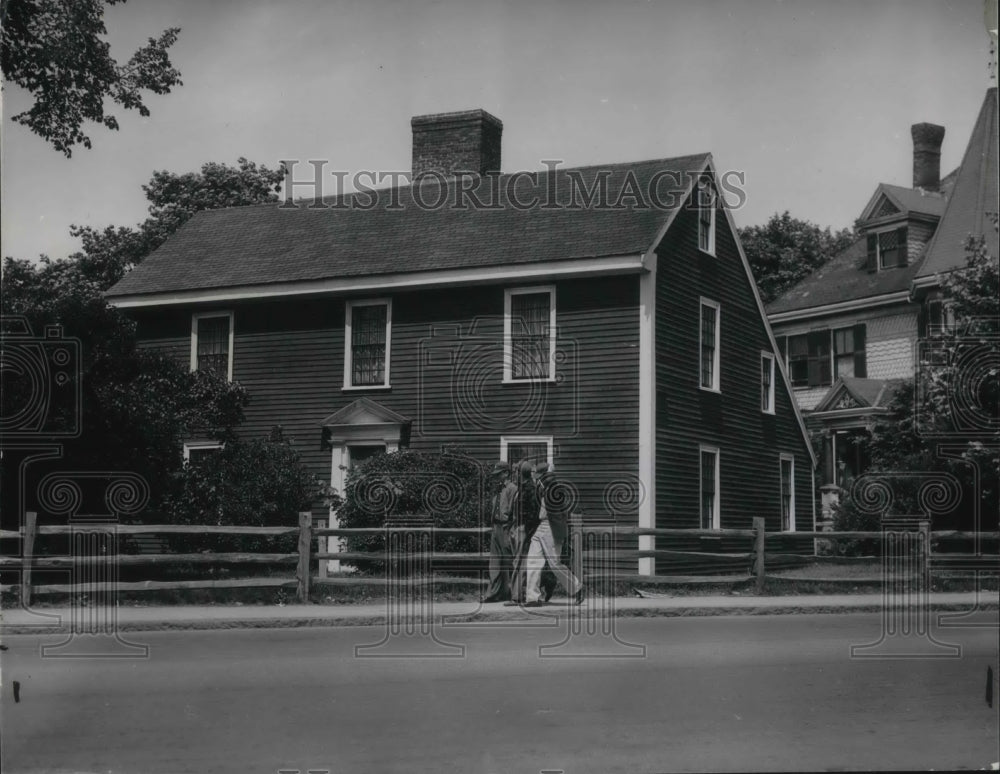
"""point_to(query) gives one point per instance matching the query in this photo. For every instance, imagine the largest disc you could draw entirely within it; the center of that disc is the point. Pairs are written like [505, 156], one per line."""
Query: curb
[475, 618]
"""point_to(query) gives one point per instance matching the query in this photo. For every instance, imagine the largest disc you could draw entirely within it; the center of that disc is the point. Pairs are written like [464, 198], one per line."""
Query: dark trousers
[501, 562]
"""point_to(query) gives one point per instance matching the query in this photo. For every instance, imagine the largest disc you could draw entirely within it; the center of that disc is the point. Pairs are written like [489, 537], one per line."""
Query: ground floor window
[709, 488]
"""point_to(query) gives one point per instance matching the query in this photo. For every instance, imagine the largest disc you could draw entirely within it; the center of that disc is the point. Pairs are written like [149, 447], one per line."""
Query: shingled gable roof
[384, 232]
[845, 276]
[906, 200]
[973, 199]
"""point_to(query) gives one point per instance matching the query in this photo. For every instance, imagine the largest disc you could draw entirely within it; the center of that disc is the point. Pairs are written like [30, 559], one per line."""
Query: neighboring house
[603, 318]
[849, 331]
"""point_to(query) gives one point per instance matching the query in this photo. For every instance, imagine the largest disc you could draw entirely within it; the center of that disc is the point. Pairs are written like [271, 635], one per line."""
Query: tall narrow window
[706, 217]
[709, 488]
[368, 329]
[767, 383]
[709, 345]
[529, 334]
[787, 493]
[212, 343]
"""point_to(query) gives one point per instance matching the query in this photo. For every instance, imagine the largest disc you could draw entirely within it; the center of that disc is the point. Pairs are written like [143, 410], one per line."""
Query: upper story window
[367, 337]
[848, 351]
[887, 249]
[787, 492]
[709, 379]
[529, 334]
[706, 217]
[212, 343]
[817, 358]
[767, 382]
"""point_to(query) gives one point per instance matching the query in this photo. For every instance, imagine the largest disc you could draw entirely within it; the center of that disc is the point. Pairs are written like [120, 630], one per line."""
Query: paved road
[710, 694]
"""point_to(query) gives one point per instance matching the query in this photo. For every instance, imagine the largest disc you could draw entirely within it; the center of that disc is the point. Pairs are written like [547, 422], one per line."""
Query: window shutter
[819, 358]
[872, 263]
[782, 347]
[901, 240]
[860, 360]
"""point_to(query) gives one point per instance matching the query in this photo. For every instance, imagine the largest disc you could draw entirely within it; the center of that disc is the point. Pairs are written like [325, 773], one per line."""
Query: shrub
[259, 483]
[447, 487]
[847, 517]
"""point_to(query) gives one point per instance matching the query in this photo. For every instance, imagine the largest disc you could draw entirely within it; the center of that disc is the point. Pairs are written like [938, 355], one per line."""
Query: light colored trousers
[546, 549]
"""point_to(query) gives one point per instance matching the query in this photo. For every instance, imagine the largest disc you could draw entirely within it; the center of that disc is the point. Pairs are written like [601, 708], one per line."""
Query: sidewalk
[191, 617]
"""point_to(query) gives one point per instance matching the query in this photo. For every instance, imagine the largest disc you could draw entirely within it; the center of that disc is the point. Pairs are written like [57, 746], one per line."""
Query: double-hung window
[529, 339]
[709, 345]
[787, 493]
[212, 343]
[709, 489]
[887, 249]
[767, 382]
[368, 332]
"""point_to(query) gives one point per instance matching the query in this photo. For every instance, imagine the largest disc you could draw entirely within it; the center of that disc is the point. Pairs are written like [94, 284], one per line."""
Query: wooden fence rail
[305, 556]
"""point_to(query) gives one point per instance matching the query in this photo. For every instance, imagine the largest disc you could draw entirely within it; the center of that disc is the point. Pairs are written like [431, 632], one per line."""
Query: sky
[811, 101]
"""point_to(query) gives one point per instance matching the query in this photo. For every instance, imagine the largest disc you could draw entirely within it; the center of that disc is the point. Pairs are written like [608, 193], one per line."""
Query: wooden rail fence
[303, 558]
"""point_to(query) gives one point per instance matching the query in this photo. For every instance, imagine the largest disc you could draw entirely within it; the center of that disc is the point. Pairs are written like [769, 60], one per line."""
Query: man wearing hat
[547, 542]
[501, 508]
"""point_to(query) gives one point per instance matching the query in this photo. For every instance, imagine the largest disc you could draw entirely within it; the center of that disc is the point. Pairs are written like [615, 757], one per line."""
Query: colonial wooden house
[849, 331]
[602, 318]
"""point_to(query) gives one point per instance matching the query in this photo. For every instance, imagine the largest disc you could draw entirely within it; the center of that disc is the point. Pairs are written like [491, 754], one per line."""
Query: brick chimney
[927, 140]
[466, 141]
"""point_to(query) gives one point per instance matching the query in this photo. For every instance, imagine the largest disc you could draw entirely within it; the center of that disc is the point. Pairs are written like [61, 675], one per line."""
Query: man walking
[546, 543]
[501, 510]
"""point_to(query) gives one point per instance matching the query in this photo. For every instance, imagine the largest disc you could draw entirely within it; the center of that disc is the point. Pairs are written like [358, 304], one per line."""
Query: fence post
[27, 553]
[305, 543]
[758, 550]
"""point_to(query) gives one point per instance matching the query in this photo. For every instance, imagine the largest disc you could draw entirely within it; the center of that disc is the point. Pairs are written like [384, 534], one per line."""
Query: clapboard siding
[749, 441]
[446, 376]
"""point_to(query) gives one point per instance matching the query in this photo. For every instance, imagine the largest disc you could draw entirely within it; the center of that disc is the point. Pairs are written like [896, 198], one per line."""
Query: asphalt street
[754, 693]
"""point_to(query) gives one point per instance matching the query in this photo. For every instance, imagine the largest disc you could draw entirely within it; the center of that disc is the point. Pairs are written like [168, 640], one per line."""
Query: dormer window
[887, 249]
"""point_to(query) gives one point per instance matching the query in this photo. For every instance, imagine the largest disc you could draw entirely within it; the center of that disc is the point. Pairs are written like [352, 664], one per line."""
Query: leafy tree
[953, 400]
[106, 255]
[138, 405]
[785, 250]
[55, 49]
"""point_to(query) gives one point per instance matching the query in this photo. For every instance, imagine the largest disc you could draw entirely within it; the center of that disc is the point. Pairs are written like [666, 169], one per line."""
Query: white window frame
[195, 318]
[716, 507]
[348, 352]
[190, 446]
[770, 397]
[507, 440]
[716, 385]
[782, 459]
[508, 351]
[713, 202]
